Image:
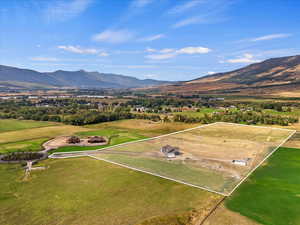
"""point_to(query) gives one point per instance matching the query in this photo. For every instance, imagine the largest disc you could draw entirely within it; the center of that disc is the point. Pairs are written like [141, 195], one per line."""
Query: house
[96, 139]
[73, 140]
[170, 151]
[241, 162]
[140, 109]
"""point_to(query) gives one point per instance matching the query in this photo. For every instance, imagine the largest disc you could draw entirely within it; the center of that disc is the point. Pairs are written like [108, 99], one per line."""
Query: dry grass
[206, 154]
[145, 127]
[223, 216]
[44, 132]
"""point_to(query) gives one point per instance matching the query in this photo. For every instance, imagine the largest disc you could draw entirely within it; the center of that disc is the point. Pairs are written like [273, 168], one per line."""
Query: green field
[295, 112]
[12, 125]
[271, 196]
[31, 139]
[23, 146]
[177, 170]
[200, 113]
[143, 127]
[88, 192]
[115, 136]
[41, 132]
[121, 131]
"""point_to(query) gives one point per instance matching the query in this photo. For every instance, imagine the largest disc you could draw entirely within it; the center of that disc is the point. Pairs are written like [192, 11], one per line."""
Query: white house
[240, 162]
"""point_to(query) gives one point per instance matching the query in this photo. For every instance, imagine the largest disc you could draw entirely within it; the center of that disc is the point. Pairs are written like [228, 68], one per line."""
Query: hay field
[12, 124]
[43, 132]
[206, 154]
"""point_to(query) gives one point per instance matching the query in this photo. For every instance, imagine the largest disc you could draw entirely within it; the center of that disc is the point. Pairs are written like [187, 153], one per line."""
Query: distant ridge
[12, 77]
[272, 75]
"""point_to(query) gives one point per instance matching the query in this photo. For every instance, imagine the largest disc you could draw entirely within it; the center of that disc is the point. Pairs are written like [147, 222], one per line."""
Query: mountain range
[276, 75]
[270, 76]
[12, 77]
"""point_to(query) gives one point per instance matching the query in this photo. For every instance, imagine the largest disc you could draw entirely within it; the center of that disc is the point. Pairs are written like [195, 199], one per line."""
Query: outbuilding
[170, 151]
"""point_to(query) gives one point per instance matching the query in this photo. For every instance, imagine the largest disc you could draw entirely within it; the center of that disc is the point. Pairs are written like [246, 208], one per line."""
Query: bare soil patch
[62, 141]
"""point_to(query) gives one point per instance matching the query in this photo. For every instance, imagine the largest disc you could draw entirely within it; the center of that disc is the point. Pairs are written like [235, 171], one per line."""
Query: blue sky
[159, 39]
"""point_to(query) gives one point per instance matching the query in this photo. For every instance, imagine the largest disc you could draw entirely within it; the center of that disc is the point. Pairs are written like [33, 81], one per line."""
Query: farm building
[73, 140]
[96, 139]
[170, 151]
[240, 162]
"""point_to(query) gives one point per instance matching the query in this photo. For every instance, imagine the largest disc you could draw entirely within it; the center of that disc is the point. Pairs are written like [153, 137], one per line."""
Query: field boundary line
[213, 210]
[137, 141]
[69, 156]
[157, 175]
[246, 125]
[268, 156]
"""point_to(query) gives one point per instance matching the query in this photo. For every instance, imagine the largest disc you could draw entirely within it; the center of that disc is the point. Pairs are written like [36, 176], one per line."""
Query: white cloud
[114, 36]
[153, 38]
[44, 59]
[270, 37]
[167, 50]
[211, 72]
[127, 52]
[66, 9]
[164, 50]
[246, 58]
[150, 50]
[185, 7]
[168, 53]
[194, 50]
[103, 54]
[161, 56]
[140, 3]
[83, 51]
[211, 11]
[188, 21]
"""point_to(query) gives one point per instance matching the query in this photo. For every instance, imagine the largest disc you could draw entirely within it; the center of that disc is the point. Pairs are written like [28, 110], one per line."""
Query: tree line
[249, 117]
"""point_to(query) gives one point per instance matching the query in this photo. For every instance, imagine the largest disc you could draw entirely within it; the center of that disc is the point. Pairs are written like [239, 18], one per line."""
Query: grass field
[36, 133]
[12, 125]
[200, 113]
[30, 135]
[271, 196]
[295, 112]
[143, 127]
[23, 146]
[31, 139]
[178, 170]
[88, 192]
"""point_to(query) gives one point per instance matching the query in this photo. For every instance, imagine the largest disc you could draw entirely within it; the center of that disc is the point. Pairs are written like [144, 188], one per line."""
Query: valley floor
[87, 191]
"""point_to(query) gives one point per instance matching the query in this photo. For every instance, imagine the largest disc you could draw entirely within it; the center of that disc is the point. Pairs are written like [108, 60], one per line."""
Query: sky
[156, 39]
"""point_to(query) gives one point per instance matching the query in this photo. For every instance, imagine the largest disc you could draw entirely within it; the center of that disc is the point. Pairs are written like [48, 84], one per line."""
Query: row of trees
[22, 156]
[249, 117]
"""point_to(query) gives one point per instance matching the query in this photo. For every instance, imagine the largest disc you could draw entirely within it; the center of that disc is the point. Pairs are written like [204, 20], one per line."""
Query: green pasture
[91, 192]
[271, 196]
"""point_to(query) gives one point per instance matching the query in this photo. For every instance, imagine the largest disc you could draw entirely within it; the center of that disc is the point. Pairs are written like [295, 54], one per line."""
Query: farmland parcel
[215, 157]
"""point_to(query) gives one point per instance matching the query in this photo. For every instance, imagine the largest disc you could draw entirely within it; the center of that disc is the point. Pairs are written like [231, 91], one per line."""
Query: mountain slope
[272, 74]
[24, 78]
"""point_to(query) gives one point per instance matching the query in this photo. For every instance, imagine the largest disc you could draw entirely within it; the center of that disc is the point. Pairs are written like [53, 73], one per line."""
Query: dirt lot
[62, 141]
